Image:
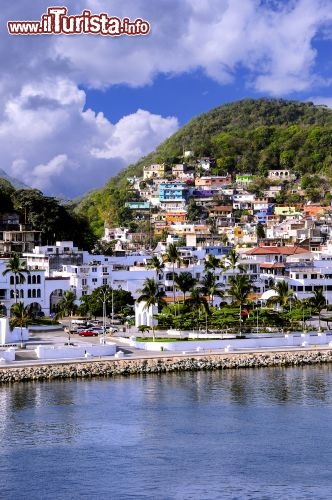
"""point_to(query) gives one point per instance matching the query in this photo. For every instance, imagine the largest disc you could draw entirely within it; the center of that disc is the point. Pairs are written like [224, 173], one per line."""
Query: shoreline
[107, 368]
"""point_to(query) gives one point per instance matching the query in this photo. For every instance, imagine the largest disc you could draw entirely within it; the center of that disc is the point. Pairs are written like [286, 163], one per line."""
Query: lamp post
[112, 298]
[257, 328]
[104, 293]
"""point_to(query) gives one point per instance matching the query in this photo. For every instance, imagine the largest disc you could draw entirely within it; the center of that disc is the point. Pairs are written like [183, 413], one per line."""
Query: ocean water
[246, 434]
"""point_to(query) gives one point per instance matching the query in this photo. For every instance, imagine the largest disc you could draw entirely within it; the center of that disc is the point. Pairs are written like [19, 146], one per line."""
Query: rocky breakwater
[125, 367]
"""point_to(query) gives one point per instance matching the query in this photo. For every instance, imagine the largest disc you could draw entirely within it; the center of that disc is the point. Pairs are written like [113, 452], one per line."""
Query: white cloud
[44, 133]
[136, 134]
[272, 41]
[50, 143]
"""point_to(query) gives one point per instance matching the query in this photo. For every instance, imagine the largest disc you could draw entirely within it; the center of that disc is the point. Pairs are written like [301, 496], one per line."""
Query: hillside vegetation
[248, 136]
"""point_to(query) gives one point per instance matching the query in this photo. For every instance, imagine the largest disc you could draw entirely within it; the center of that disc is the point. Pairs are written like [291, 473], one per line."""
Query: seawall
[157, 365]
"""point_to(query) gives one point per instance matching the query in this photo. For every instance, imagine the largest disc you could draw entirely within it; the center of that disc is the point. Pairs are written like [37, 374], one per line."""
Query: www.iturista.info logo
[57, 22]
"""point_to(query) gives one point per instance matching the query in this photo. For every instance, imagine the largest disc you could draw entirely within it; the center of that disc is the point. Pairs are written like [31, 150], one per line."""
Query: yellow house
[156, 170]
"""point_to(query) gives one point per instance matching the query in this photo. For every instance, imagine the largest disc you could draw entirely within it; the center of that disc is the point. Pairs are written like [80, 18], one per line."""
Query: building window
[94, 269]
[105, 281]
[94, 280]
[104, 269]
[84, 282]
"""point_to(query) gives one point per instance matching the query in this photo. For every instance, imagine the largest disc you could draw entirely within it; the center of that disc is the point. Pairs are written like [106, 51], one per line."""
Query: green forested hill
[250, 136]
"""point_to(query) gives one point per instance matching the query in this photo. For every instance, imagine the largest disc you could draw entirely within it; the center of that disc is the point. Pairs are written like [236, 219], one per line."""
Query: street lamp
[104, 293]
[257, 328]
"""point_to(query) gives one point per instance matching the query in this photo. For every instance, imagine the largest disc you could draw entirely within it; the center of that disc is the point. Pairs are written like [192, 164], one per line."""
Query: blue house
[173, 191]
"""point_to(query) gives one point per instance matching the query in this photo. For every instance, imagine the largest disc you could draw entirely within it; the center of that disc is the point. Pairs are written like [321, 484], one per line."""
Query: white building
[38, 291]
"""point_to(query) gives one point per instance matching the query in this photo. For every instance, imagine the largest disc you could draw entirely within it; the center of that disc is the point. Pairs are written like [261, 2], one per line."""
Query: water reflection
[186, 435]
[304, 385]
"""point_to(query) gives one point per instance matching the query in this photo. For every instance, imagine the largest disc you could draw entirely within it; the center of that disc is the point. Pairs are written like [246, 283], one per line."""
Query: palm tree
[185, 282]
[172, 255]
[239, 290]
[19, 317]
[197, 301]
[283, 294]
[156, 264]
[65, 307]
[213, 228]
[318, 302]
[210, 286]
[152, 296]
[232, 261]
[15, 267]
[212, 263]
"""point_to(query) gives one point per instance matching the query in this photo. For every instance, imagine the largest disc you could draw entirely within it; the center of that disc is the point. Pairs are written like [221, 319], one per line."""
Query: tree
[156, 264]
[213, 227]
[65, 307]
[15, 267]
[239, 290]
[56, 221]
[194, 211]
[283, 294]
[143, 329]
[6, 192]
[260, 232]
[197, 301]
[210, 286]
[152, 296]
[318, 302]
[232, 261]
[212, 263]
[19, 317]
[185, 282]
[172, 255]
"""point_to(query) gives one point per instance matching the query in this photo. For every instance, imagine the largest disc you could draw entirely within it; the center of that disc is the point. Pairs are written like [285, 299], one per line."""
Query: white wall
[290, 340]
[73, 352]
[8, 336]
[8, 355]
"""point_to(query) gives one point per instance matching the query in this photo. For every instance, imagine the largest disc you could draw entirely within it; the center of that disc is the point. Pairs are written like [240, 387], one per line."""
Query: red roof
[272, 265]
[287, 250]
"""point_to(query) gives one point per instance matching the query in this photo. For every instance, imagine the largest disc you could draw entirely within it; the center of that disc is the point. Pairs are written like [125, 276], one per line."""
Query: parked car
[97, 329]
[88, 333]
[113, 329]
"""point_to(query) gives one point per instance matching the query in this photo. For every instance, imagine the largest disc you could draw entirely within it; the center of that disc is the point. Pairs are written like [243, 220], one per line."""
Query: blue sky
[77, 109]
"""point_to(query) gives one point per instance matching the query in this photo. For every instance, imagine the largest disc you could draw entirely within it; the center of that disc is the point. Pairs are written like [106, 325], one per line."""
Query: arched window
[11, 280]
[21, 294]
[29, 280]
[38, 293]
[38, 279]
[34, 279]
[33, 293]
[29, 294]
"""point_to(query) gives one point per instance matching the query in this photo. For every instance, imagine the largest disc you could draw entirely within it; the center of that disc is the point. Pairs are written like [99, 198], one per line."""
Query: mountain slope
[17, 184]
[250, 136]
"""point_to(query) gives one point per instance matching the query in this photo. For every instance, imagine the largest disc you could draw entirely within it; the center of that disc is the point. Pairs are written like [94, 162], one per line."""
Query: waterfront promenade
[134, 361]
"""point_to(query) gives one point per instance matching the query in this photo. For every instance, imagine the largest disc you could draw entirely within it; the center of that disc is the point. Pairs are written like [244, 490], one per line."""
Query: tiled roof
[286, 250]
